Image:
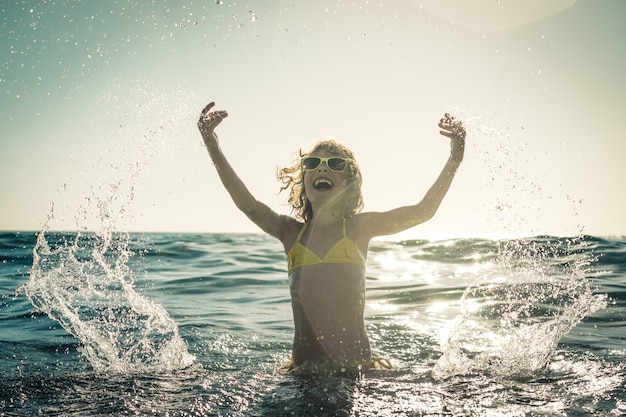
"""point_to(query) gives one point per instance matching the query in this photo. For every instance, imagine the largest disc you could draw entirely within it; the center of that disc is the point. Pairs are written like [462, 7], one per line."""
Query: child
[326, 242]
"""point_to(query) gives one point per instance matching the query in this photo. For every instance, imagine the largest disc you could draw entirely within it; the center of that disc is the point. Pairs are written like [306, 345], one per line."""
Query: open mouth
[322, 184]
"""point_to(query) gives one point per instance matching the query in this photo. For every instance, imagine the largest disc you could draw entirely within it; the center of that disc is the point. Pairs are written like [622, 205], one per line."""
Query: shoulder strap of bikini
[301, 232]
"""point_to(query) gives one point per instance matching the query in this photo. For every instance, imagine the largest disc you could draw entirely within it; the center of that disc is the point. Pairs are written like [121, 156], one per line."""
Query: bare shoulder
[362, 225]
[374, 223]
[277, 225]
[291, 228]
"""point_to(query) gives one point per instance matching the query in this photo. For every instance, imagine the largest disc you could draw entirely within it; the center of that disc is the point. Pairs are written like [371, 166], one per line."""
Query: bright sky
[99, 101]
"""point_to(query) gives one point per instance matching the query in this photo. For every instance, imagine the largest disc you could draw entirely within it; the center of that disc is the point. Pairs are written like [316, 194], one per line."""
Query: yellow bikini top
[342, 252]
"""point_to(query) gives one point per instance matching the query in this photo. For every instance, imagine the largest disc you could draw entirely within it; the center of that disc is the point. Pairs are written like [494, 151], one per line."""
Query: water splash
[85, 284]
[83, 280]
[514, 315]
[512, 319]
[526, 194]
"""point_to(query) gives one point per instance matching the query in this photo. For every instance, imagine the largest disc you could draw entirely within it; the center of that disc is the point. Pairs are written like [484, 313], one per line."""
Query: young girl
[326, 241]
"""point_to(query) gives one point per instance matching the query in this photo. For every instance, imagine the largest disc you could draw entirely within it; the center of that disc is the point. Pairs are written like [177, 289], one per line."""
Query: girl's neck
[326, 218]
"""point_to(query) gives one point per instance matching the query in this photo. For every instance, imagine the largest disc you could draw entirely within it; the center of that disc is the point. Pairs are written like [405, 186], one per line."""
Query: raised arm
[397, 220]
[267, 219]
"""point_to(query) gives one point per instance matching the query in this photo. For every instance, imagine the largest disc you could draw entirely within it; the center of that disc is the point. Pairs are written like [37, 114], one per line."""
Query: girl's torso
[328, 298]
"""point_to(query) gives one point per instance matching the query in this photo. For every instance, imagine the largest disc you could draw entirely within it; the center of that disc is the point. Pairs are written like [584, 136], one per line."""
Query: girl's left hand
[453, 128]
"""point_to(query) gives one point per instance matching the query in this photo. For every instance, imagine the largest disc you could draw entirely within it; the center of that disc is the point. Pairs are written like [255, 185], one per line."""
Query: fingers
[215, 115]
[210, 119]
[448, 120]
[207, 114]
[207, 108]
[451, 127]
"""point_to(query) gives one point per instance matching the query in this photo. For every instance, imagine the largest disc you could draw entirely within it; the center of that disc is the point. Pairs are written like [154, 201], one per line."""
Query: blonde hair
[292, 178]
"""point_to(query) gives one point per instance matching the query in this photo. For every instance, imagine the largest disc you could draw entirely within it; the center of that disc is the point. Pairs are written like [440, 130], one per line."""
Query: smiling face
[323, 185]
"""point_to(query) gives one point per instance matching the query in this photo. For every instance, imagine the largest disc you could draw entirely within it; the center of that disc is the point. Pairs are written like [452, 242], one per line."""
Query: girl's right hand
[209, 120]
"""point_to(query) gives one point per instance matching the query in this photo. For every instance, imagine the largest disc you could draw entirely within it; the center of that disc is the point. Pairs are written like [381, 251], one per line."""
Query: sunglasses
[334, 163]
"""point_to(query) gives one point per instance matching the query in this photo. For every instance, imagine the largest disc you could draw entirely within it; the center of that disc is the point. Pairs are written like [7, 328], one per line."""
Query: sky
[99, 103]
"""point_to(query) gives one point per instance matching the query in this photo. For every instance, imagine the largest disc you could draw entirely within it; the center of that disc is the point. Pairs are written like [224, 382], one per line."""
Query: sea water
[200, 324]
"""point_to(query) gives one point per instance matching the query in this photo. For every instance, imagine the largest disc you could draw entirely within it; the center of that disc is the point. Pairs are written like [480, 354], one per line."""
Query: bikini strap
[301, 232]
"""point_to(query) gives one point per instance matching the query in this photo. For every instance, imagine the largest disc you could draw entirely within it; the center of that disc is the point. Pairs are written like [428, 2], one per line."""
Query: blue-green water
[183, 324]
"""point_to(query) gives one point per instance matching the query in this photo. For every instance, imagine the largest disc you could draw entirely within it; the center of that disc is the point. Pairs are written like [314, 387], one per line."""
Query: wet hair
[292, 179]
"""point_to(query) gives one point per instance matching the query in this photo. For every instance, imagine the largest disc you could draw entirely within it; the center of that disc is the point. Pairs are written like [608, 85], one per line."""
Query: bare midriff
[328, 302]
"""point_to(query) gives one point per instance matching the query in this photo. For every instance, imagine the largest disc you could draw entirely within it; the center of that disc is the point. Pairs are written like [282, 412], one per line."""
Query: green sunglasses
[334, 163]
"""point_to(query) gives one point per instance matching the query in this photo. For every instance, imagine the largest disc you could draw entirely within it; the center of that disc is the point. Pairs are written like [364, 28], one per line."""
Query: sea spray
[513, 316]
[512, 319]
[84, 283]
[522, 175]
[82, 279]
